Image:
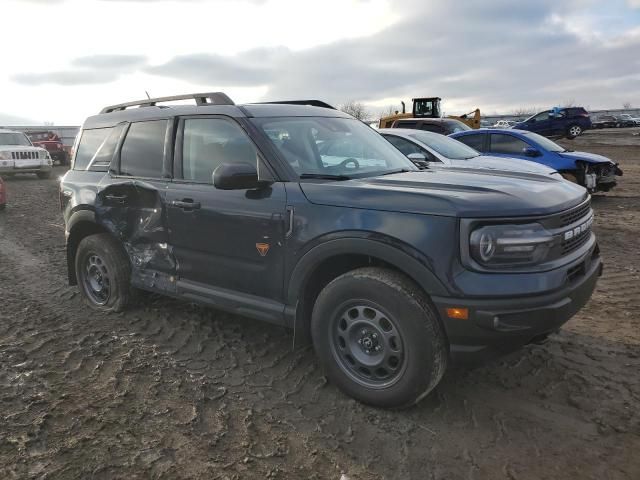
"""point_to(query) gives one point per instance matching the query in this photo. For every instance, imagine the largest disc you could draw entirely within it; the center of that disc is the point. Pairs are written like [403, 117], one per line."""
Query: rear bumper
[496, 327]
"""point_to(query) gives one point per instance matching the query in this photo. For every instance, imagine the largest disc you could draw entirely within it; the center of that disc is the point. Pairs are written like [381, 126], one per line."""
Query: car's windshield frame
[302, 153]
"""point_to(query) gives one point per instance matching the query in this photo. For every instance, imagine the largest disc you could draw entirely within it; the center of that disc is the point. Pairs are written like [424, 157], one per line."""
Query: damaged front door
[228, 243]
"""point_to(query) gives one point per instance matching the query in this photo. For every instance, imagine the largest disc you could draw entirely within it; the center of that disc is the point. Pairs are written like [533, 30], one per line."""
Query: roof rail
[312, 103]
[214, 98]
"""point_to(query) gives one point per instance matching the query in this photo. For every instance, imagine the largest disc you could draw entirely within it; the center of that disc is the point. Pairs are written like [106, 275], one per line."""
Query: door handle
[186, 204]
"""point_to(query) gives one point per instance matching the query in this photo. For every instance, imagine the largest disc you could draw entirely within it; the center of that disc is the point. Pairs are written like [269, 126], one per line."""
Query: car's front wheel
[574, 131]
[378, 337]
[103, 272]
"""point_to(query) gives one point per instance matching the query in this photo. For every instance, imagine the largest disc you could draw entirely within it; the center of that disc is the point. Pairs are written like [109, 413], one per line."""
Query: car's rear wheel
[574, 131]
[378, 338]
[103, 272]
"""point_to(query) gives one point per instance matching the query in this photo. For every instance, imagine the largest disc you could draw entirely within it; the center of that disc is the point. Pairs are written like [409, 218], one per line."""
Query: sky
[63, 60]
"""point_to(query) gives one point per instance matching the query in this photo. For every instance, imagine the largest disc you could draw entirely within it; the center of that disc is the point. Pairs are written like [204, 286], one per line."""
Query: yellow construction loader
[429, 107]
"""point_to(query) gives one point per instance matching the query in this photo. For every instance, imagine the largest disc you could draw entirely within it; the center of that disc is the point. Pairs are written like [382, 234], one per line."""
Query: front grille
[576, 214]
[29, 155]
[576, 242]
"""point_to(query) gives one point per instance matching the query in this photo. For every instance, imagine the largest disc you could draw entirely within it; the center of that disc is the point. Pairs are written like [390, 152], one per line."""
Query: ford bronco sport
[391, 272]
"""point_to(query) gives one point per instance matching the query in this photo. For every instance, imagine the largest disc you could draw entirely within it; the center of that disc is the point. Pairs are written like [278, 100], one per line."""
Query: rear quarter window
[90, 143]
[142, 153]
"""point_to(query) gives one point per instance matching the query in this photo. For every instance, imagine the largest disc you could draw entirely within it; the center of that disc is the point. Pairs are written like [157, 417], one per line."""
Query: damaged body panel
[135, 213]
[594, 172]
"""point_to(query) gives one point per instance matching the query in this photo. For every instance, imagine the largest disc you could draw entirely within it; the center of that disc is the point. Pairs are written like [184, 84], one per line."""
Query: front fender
[413, 263]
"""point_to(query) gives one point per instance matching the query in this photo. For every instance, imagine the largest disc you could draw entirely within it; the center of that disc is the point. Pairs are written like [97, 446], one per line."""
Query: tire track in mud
[169, 389]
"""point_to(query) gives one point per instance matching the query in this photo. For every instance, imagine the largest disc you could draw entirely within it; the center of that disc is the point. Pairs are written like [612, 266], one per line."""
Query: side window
[541, 117]
[210, 142]
[501, 143]
[90, 142]
[142, 152]
[102, 158]
[405, 146]
[474, 141]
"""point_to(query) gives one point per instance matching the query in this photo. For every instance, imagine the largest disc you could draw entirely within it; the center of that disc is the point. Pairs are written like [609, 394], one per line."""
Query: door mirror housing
[417, 157]
[237, 176]
[531, 152]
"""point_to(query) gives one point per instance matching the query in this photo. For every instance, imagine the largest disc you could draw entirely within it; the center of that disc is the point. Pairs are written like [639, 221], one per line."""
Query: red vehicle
[52, 143]
[3, 195]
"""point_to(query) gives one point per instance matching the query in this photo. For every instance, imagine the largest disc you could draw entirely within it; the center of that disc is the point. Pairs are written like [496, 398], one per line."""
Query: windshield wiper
[391, 172]
[324, 176]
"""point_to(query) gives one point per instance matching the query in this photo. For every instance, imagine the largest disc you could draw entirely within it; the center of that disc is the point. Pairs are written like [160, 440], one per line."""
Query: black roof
[149, 110]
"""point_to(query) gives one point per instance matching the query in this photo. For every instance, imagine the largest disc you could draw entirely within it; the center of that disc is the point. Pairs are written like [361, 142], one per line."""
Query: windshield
[545, 142]
[316, 146]
[445, 146]
[14, 139]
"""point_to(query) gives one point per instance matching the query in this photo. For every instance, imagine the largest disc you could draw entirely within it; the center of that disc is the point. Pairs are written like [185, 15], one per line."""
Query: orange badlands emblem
[263, 248]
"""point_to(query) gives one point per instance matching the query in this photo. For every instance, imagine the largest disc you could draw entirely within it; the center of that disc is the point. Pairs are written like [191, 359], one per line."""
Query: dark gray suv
[392, 272]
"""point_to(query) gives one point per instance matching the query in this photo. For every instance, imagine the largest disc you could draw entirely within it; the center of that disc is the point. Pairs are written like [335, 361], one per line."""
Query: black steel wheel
[368, 344]
[378, 337]
[103, 273]
[96, 279]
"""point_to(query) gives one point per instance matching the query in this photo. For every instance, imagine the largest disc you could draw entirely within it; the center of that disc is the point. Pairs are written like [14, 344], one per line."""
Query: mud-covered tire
[44, 175]
[367, 301]
[100, 261]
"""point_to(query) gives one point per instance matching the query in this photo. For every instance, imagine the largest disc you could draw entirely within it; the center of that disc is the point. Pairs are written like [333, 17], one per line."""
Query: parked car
[52, 143]
[431, 150]
[3, 195]
[630, 120]
[18, 155]
[592, 171]
[504, 124]
[444, 126]
[611, 121]
[565, 122]
[391, 271]
[485, 124]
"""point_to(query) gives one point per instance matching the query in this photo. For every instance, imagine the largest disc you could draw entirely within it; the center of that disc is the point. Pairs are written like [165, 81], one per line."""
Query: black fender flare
[411, 262]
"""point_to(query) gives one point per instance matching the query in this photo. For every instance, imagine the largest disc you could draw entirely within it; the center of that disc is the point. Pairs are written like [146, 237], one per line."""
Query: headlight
[44, 154]
[5, 155]
[496, 246]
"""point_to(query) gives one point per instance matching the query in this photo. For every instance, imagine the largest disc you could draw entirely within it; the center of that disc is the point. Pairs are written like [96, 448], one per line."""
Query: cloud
[493, 54]
[90, 70]
[110, 61]
[500, 54]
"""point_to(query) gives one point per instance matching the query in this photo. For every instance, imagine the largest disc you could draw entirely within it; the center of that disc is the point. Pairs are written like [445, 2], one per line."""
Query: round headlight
[487, 246]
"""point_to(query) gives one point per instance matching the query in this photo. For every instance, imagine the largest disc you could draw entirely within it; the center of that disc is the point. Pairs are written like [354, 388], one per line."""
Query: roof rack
[212, 98]
[312, 103]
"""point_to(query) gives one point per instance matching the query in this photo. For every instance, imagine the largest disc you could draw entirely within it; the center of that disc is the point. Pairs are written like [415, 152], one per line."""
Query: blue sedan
[594, 172]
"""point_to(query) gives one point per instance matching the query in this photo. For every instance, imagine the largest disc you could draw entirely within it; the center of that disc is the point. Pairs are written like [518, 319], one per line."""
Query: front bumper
[12, 167]
[499, 326]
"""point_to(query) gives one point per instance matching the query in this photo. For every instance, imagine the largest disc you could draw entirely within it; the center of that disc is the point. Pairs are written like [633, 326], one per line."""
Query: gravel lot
[172, 390]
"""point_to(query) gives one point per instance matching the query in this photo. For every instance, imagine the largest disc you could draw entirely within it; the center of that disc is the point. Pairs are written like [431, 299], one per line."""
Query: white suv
[18, 155]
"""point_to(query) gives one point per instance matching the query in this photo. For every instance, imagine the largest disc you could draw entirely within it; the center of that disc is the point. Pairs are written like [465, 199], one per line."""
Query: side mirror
[417, 157]
[237, 176]
[531, 152]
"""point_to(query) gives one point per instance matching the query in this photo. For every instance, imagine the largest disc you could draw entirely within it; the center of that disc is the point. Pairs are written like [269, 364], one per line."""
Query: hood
[509, 165]
[20, 148]
[448, 192]
[587, 157]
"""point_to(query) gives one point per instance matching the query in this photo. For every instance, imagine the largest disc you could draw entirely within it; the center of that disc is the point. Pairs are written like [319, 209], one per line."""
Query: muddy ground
[173, 390]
